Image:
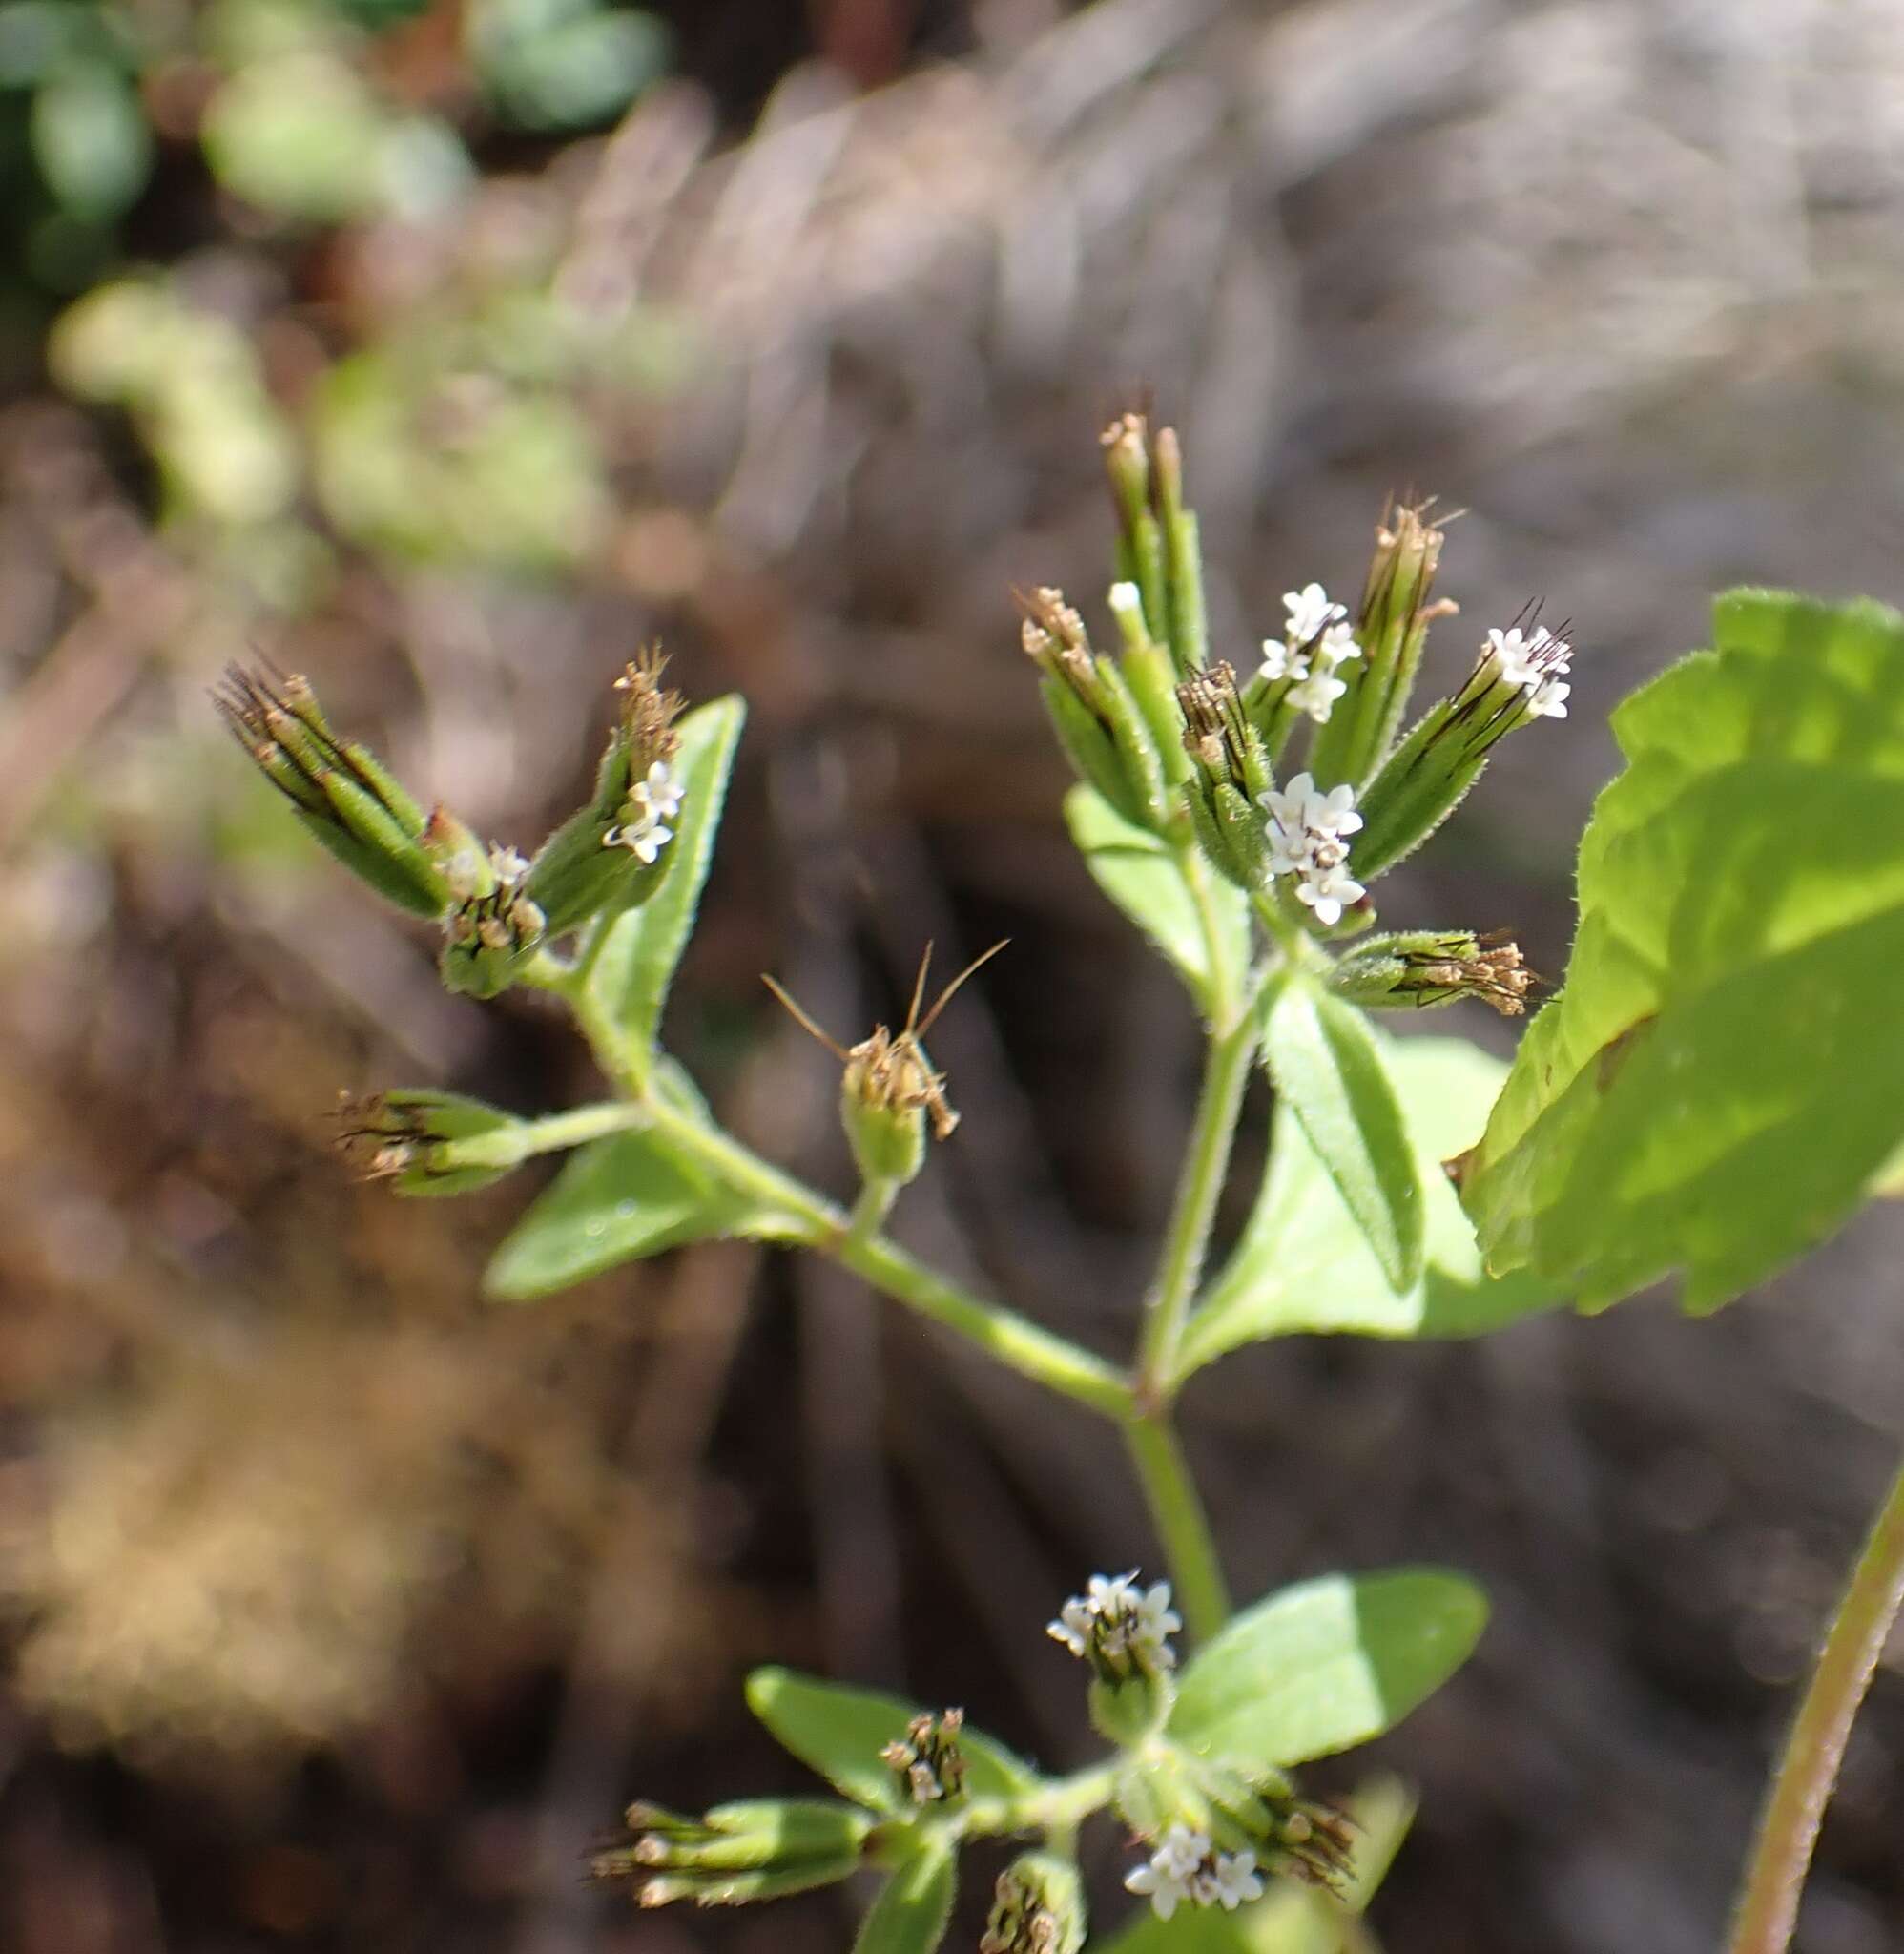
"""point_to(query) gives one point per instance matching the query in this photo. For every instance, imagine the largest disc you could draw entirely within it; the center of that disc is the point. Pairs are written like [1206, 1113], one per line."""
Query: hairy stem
[557, 1131]
[1199, 1184]
[1014, 1341]
[1767, 1908]
[1176, 1510]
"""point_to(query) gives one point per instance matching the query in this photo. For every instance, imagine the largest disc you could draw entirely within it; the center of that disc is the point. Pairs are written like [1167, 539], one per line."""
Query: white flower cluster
[1317, 638]
[1117, 1626]
[1537, 662]
[1183, 1868]
[1309, 839]
[651, 802]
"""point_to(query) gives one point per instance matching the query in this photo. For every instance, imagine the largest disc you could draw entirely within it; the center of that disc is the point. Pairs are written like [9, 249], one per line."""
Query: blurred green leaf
[1326, 1665]
[913, 1907]
[91, 141]
[1143, 877]
[617, 1199]
[1330, 1068]
[1302, 1263]
[840, 1733]
[630, 973]
[1723, 1076]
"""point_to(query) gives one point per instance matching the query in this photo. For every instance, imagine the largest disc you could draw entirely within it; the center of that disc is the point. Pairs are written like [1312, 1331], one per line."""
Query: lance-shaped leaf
[1331, 1070]
[1144, 876]
[631, 970]
[1327, 1664]
[840, 1733]
[1723, 1075]
[615, 1199]
[911, 1913]
[1303, 1264]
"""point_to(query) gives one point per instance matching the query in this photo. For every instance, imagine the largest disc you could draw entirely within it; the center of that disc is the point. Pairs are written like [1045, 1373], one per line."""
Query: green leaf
[1302, 1263]
[614, 1199]
[91, 141]
[1142, 876]
[1290, 1918]
[1330, 1068]
[630, 972]
[1723, 1076]
[840, 1733]
[1327, 1664]
[913, 1906]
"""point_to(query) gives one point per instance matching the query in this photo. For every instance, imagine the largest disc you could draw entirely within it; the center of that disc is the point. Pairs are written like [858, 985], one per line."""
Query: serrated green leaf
[1290, 1918]
[841, 1732]
[615, 1199]
[1326, 1665]
[630, 972]
[1302, 1265]
[1144, 877]
[1329, 1067]
[1721, 1076]
[911, 1913]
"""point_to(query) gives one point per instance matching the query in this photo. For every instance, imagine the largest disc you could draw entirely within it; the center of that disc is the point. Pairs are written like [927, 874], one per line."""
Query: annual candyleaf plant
[1713, 1090]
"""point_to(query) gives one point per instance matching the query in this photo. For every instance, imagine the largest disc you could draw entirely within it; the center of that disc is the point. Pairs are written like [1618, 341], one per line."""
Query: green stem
[1182, 1525]
[576, 1128]
[1767, 1908]
[1013, 1340]
[1199, 1184]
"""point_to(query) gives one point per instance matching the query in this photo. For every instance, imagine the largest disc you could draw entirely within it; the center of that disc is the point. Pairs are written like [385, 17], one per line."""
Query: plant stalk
[1767, 1908]
[1178, 1512]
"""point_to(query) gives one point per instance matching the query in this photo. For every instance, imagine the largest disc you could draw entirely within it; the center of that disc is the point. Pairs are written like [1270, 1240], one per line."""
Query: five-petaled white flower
[1309, 839]
[1168, 1876]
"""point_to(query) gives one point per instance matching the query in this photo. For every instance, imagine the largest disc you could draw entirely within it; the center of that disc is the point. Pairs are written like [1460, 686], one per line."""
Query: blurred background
[446, 351]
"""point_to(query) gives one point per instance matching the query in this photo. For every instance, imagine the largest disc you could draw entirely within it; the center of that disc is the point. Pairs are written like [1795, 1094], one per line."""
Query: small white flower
[1280, 662]
[506, 866]
[644, 839]
[1332, 813]
[1317, 694]
[1328, 888]
[1310, 612]
[1166, 1877]
[1157, 1618]
[1549, 699]
[1233, 1880]
[1338, 646]
[659, 794]
[1072, 1627]
[1119, 1628]
[463, 873]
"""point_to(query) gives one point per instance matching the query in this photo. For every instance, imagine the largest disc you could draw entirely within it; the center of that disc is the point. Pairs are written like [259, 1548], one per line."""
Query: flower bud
[1038, 1908]
[927, 1761]
[339, 790]
[1391, 628]
[1229, 771]
[756, 1849]
[1518, 678]
[493, 926]
[1418, 970]
[430, 1143]
[1142, 557]
[1183, 555]
[613, 852]
[888, 1088]
[1259, 1809]
[1104, 732]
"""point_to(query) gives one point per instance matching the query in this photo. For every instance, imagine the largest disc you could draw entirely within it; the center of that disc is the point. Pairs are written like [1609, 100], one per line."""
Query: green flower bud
[1258, 1809]
[1097, 719]
[1516, 680]
[1229, 771]
[1183, 553]
[339, 791]
[888, 1088]
[613, 852]
[1391, 628]
[757, 1849]
[1418, 970]
[1038, 1908]
[430, 1143]
[493, 926]
[1126, 1713]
